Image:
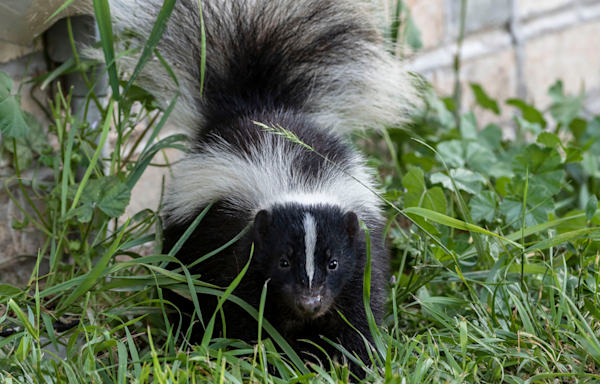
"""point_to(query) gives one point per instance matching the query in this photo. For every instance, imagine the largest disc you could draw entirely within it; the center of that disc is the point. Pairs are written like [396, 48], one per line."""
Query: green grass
[495, 281]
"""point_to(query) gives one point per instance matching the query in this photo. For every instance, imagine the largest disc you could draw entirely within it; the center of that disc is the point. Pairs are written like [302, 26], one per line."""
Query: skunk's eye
[333, 264]
[283, 263]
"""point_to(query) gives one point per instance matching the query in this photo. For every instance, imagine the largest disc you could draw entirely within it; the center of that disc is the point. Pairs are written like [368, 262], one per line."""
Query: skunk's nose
[309, 305]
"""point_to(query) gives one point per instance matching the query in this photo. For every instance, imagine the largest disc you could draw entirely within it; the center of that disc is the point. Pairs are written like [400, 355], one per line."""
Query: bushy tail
[323, 57]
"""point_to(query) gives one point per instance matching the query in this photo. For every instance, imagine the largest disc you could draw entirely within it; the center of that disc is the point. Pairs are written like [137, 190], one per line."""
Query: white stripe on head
[310, 241]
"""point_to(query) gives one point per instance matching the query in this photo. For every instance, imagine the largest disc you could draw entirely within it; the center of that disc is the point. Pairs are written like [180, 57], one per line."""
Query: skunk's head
[308, 253]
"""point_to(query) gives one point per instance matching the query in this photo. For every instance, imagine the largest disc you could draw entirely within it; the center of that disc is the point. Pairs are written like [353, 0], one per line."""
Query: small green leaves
[484, 100]
[12, 121]
[591, 207]
[108, 194]
[549, 139]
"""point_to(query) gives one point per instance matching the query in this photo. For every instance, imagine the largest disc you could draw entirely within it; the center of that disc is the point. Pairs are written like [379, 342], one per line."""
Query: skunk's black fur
[285, 237]
[318, 69]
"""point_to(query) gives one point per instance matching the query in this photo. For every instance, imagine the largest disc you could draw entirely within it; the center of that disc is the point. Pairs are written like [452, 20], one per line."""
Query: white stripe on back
[310, 240]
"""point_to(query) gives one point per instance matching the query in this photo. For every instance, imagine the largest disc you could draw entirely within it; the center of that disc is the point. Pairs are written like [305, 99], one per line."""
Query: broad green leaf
[479, 158]
[578, 127]
[36, 138]
[12, 121]
[549, 139]
[35, 141]
[6, 85]
[114, 197]
[415, 158]
[8, 291]
[24, 154]
[83, 213]
[524, 125]
[574, 155]
[539, 205]
[556, 91]
[445, 117]
[452, 153]
[108, 193]
[543, 165]
[565, 108]
[529, 112]
[418, 195]
[465, 180]
[491, 137]
[468, 126]
[414, 181]
[484, 206]
[591, 136]
[591, 207]
[484, 100]
[458, 154]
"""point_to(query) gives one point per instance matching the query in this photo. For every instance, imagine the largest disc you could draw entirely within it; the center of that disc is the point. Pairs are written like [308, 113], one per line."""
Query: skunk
[313, 71]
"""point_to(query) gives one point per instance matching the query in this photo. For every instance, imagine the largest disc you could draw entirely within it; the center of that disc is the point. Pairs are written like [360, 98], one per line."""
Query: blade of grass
[209, 328]
[88, 172]
[92, 277]
[203, 48]
[455, 223]
[59, 10]
[66, 170]
[562, 238]
[153, 40]
[104, 22]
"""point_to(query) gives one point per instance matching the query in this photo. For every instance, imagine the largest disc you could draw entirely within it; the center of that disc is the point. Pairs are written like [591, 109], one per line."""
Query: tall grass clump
[494, 244]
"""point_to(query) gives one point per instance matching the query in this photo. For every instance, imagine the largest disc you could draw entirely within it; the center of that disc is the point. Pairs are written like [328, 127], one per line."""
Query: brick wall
[514, 48]
[19, 248]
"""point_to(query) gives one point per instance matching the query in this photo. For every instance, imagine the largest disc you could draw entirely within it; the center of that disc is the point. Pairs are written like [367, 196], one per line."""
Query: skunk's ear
[262, 223]
[351, 224]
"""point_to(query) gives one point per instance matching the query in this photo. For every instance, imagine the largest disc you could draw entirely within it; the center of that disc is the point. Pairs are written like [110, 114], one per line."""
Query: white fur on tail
[366, 88]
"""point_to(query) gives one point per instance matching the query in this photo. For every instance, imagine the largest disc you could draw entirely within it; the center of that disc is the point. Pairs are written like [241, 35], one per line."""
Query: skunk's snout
[309, 305]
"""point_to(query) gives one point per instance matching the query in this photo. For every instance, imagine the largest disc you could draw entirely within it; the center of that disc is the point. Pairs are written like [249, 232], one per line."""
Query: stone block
[532, 8]
[18, 248]
[497, 75]
[33, 63]
[23, 20]
[9, 51]
[567, 55]
[481, 14]
[429, 18]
